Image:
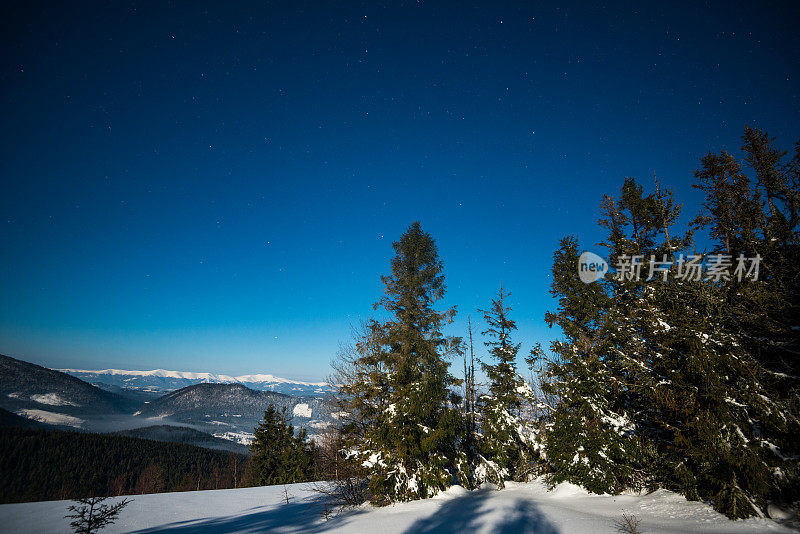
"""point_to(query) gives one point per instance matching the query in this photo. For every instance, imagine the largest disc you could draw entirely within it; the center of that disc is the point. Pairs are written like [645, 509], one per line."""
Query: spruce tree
[506, 451]
[756, 218]
[686, 380]
[413, 444]
[678, 366]
[92, 514]
[587, 440]
[278, 455]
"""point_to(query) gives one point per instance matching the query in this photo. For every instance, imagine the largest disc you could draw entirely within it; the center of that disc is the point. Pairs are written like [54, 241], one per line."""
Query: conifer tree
[678, 365]
[278, 455]
[756, 219]
[586, 442]
[687, 382]
[92, 514]
[412, 446]
[506, 450]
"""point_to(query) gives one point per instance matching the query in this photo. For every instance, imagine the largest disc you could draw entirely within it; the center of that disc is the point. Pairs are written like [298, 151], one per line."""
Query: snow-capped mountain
[111, 400]
[161, 380]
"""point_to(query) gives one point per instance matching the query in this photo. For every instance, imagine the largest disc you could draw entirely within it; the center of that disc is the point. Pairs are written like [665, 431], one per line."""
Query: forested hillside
[38, 465]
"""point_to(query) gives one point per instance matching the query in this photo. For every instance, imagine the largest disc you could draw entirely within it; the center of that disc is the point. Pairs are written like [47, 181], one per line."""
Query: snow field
[517, 508]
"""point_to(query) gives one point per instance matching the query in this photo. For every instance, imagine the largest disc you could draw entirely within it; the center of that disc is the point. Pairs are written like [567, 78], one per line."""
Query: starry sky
[216, 186]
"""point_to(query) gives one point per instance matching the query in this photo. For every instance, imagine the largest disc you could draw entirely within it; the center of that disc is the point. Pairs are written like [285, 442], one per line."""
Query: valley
[212, 411]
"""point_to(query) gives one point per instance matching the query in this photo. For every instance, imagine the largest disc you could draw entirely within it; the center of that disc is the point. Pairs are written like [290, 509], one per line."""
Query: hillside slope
[37, 465]
[182, 434]
[54, 397]
[232, 411]
[12, 420]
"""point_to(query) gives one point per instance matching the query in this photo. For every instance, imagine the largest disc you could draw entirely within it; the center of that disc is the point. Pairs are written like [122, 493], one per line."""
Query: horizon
[191, 375]
[217, 188]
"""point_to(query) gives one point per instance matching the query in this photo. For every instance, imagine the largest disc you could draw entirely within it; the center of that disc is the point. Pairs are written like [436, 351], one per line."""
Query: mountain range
[199, 408]
[161, 380]
[49, 396]
[232, 411]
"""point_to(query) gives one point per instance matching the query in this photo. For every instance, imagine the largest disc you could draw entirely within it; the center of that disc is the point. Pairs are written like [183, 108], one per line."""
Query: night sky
[211, 187]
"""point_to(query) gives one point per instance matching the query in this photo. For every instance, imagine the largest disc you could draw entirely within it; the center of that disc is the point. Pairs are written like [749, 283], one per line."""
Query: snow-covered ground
[302, 410]
[54, 399]
[51, 417]
[518, 508]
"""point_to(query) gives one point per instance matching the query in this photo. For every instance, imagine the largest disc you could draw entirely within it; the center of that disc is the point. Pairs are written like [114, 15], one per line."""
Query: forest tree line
[684, 383]
[40, 465]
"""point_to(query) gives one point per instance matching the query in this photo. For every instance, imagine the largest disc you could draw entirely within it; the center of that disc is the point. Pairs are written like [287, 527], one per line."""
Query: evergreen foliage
[279, 456]
[92, 514]
[505, 427]
[586, 440]
[47, 465]
[686, 382]
[665, 376]
[408, 429]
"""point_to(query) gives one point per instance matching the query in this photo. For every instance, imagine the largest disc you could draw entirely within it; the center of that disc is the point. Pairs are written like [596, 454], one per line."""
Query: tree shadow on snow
[298, 516]
[466, 514]
[459, 515]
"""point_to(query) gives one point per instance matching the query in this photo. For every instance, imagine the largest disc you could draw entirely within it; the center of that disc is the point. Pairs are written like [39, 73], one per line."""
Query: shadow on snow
[458, 515]
[465, 514]
[298, 516]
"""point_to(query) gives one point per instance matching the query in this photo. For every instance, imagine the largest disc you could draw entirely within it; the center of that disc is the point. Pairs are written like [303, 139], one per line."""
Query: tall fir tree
[413, 445]
[506, 441]
[586, 441]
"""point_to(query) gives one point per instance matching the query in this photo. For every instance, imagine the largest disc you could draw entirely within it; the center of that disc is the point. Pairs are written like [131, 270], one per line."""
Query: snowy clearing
[243, 438]
[518, 508]
[53, 399]
[302, 410]
[51, 417]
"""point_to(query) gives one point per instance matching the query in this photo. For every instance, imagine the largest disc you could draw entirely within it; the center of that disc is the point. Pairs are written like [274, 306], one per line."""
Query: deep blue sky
[216, 188]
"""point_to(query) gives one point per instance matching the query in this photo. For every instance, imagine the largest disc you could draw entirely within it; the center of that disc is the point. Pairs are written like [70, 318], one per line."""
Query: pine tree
[756, 218]
[506, 451]
[671, 377]
[278, 455]
[412, 446]
[586, 442]
[91, 514]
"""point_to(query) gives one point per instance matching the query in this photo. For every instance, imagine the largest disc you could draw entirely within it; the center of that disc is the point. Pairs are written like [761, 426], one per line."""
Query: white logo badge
[591, 267]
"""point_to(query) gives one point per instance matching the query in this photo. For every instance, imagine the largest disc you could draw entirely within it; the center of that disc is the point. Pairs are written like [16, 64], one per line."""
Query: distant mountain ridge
[162, 380]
